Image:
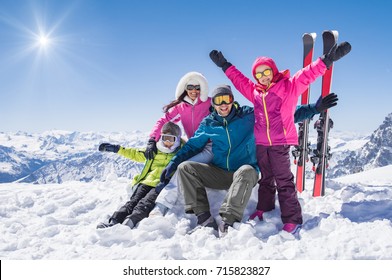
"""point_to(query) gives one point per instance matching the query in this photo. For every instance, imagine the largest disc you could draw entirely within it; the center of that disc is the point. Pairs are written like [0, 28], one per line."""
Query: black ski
[322, 152]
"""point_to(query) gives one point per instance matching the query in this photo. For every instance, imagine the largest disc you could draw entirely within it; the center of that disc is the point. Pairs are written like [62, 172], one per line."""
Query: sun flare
[43, 41]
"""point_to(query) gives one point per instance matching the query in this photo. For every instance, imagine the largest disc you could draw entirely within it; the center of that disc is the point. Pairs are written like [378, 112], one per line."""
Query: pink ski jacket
[275, 106]
[189, 115]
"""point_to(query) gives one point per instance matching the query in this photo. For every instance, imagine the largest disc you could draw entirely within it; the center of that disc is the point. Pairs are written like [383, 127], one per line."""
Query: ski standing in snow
[322, 154]
[302, 150]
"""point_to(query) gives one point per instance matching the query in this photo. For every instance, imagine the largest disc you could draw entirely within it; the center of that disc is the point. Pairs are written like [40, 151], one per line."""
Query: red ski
[301, 151]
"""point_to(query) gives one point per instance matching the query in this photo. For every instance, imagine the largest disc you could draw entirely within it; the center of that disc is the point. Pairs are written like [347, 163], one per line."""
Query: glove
[106, 147]
[336, 53]
[151, 149]
[160, 187]
[324, 103]
[219, 60]
[167, 173]
[257, 214]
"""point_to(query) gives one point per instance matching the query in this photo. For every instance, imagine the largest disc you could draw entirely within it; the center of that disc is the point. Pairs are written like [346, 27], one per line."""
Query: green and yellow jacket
[152, 169]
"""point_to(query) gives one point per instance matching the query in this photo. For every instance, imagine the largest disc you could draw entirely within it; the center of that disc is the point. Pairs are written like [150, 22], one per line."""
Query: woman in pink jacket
[190, 107]
[275, 96]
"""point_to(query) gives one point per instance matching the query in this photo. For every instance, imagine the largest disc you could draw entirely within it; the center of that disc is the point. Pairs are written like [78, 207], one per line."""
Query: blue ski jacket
[233, 143]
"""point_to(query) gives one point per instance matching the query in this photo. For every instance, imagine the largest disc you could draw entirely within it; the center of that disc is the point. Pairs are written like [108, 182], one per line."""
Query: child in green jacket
[143, 199]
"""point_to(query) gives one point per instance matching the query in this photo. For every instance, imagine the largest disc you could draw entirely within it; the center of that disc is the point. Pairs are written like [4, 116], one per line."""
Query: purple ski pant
[276, 175]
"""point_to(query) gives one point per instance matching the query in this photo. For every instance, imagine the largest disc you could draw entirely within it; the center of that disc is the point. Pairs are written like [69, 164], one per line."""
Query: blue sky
[113, 65]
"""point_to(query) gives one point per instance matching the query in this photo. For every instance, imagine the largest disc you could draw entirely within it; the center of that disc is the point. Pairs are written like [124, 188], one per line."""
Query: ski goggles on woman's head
[168, 138]
[192, 87]
[223, 99]
[266, 72]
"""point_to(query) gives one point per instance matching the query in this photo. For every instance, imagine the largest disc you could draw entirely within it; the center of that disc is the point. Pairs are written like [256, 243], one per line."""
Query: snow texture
[57, 221]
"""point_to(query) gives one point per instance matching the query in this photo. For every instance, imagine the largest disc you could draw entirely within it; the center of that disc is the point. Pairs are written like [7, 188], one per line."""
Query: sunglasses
[168, 138]
[191, 87]
[223, 99]
[266, 72]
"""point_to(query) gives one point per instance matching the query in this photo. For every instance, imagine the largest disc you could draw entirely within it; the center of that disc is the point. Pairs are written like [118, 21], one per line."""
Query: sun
[43, 41]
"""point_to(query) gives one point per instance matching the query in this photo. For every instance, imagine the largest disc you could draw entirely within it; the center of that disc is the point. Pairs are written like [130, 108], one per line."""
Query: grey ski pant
[194, 177]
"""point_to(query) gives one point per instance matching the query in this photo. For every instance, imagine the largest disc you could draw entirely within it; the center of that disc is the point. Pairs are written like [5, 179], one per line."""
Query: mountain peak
[377, 152]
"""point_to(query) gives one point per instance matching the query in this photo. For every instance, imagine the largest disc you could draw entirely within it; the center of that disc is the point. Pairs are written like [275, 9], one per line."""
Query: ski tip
[333, 32]
[313, 35]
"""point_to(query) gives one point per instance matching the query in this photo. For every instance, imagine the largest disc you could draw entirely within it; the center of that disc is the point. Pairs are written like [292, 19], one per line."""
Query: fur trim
[166, 150]
[193, 76]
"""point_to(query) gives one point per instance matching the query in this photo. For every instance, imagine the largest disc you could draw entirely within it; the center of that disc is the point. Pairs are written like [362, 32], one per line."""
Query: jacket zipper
[228, 138]
[193, 120]
[266, 118]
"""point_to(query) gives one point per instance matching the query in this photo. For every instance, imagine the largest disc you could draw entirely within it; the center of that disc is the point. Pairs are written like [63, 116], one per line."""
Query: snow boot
[206, 220]
[128, 222]
[293, 230]
[111, 223]
[223, 229]
[257, 214]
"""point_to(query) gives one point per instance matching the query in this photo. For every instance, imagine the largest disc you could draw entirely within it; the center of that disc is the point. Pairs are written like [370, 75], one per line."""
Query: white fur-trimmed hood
[193, 76]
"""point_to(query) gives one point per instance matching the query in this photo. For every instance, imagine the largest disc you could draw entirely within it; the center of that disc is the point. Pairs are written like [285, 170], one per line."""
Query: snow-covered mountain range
[376, 152]
[60, 156]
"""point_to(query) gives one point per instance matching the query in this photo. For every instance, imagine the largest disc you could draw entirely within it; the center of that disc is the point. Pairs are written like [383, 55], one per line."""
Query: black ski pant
[139, 205]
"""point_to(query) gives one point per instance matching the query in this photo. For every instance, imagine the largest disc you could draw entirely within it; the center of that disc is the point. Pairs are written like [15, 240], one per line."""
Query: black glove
[106, 147]
[167, 173]
[219, 60]
[327, 102]
[151, 149]
[336, 53]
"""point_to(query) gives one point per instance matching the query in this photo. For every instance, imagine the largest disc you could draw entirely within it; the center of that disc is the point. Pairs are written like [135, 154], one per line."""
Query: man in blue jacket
[234, 167]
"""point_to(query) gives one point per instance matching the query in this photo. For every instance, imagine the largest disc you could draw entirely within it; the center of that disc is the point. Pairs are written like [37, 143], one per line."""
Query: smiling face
[266, 76]
[223, 109]
[193, 91]
[168, 140]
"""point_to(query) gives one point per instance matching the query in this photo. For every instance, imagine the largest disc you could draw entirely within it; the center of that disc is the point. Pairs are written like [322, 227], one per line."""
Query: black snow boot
[111, 223]
[206, 220]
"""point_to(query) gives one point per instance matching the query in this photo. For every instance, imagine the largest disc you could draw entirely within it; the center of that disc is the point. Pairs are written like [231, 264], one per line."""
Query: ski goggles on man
[266, 72]
[223, 99]
[192, 87]
[168, 138]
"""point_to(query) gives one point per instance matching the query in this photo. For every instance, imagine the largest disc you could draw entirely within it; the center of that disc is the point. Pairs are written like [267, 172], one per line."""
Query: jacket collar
[229, 117]
[190, 101]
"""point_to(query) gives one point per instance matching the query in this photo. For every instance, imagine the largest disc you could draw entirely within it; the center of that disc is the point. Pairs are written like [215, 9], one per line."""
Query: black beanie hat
[221, 90]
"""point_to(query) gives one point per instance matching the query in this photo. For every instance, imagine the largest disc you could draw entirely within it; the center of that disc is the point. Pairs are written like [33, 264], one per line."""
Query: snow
[5, 167]
[57, 221]
[353, 221]
[381, 176]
